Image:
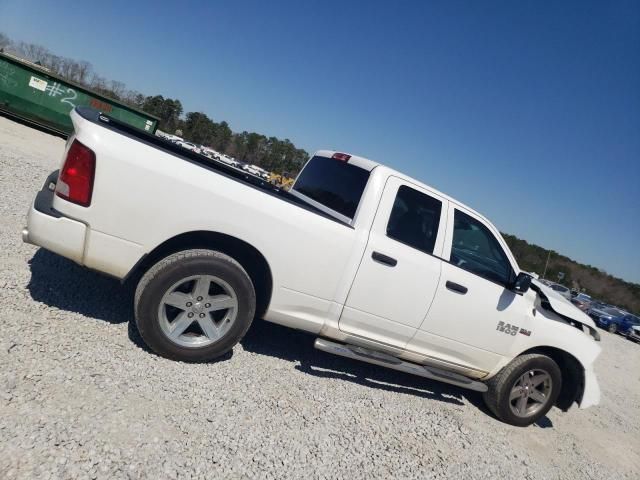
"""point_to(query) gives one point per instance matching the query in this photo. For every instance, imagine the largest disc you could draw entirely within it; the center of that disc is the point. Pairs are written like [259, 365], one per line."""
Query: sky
[529, 112]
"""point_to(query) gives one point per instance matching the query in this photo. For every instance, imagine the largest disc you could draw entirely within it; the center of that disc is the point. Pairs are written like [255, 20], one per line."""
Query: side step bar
[389, 361]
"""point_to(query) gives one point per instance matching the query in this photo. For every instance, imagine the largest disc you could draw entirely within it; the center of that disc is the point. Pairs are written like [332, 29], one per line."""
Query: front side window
[477, 250]
[414, 219]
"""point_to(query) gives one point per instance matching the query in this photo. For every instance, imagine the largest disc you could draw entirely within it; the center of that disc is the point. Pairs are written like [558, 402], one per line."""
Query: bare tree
[5, 42]
[117, 88]
[133, 98]
[34, 53]
[53, 63]
[84, 70]
[98, 83]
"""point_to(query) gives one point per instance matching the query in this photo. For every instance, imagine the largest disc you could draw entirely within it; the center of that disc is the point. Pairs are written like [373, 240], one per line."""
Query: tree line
[271, 153]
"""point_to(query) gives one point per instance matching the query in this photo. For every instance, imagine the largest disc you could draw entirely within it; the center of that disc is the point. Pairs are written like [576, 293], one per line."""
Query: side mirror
[522, 283]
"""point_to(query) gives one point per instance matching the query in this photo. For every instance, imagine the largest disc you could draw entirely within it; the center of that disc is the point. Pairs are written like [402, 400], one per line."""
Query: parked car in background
[171, 138]
[256, 170]
[599, 310]
[609, 318]
[190, 146]
[206, 151]
[227, 160]
[634, 333]
[601, 305]
[582, 301]
[628, 322]
[561, 289]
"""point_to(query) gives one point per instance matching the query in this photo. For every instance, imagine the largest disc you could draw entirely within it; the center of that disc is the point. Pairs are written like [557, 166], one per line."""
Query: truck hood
[563, 307]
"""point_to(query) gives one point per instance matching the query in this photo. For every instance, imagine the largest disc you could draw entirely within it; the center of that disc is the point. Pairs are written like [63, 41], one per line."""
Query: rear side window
[414, 219]
[477, 250]
[333, 183]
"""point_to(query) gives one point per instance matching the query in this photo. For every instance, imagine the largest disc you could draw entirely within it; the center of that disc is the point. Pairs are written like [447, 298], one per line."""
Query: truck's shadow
[61, 284]
[265, 338]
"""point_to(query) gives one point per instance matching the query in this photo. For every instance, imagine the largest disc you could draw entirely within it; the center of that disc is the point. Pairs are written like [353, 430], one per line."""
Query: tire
[510, 379]
[194, 305]
[612, 328]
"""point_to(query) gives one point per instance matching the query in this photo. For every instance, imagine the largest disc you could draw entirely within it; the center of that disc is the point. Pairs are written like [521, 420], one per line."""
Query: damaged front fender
[550, 300]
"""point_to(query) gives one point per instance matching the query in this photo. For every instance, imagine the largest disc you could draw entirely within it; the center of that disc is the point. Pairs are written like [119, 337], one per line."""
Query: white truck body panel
[325, 280]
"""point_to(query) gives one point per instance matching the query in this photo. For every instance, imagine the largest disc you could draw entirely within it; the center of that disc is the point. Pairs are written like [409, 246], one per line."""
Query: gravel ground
[80, 396]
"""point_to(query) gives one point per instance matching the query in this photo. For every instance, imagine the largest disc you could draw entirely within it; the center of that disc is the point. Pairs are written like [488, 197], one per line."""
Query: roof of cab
[369, 165]
[361, 162]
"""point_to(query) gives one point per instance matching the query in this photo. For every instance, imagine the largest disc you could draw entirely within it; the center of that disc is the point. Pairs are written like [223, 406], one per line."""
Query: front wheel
[525, 390]
[194, 305]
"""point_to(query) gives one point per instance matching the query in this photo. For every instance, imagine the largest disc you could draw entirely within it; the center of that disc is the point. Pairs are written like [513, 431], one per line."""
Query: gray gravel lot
[80, 396]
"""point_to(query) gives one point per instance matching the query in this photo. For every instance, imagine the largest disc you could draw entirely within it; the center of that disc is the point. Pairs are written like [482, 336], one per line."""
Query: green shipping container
[37, 95]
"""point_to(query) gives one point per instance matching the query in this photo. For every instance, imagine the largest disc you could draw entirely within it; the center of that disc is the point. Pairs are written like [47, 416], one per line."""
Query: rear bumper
[49, 229]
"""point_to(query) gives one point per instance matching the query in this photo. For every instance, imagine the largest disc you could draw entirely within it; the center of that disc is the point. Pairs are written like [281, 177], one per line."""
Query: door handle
[382, 258]
[456, 287]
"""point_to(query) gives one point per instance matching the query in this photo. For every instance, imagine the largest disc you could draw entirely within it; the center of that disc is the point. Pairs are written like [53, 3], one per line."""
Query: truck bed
[166, 146]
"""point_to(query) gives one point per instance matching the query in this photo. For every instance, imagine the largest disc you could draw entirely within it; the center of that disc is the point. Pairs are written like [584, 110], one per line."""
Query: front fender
[552, 335]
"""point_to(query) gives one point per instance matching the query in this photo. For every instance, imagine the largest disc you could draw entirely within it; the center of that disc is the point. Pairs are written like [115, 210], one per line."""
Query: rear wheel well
[247, 255]
[572, 375]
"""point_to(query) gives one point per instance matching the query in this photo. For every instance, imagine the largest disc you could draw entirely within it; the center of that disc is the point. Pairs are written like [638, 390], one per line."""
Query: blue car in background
[613, 319]
[628, 324]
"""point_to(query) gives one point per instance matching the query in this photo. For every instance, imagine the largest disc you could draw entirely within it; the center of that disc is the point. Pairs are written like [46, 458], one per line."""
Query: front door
[399, 272]
[475, 318]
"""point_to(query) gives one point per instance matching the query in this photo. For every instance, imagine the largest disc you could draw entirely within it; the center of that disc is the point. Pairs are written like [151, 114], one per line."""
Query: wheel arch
[573, 378]
[251, 259]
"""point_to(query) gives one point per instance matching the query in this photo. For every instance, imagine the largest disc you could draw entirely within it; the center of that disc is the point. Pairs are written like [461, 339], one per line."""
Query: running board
[389, 361]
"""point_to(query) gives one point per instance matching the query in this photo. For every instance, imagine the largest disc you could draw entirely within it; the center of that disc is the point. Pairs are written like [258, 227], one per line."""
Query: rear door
[399, 272]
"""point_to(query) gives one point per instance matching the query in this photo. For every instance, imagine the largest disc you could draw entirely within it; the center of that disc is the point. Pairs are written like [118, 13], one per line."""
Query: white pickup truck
[380, 267]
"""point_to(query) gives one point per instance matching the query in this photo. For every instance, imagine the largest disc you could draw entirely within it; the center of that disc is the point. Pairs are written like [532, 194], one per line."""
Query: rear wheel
[612, 328]
[525, 390]
[194, 305]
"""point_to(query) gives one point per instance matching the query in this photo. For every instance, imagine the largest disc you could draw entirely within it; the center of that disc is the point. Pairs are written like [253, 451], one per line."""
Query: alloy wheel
[530, 393]
[197, 310]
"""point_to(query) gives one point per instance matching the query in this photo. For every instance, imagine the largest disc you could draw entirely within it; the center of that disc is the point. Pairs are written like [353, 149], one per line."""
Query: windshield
[613, 311]
[334, 184]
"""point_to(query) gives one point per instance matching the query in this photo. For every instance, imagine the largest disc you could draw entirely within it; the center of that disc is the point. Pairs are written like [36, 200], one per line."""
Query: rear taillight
[75, 182]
